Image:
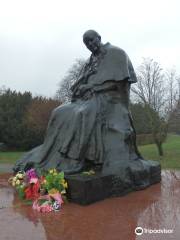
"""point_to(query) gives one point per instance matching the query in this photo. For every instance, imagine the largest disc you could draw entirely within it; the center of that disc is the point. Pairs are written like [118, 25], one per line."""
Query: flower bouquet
[45, 192]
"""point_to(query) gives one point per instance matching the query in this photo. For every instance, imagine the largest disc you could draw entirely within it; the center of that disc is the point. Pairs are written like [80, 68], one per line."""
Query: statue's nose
[90, 43]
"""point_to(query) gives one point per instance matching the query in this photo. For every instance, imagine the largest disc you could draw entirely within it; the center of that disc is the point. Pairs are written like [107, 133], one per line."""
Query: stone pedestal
[86, 189]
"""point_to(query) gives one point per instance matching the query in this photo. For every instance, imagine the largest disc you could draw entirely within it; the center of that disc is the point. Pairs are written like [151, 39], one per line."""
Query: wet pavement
[155, 208]
[6, 167]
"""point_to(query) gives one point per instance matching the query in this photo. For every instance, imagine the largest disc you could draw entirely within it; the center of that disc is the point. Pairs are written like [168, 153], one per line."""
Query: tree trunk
[160, 149]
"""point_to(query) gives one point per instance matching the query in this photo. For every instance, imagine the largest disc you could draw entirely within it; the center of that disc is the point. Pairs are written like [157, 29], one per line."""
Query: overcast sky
[40, 39]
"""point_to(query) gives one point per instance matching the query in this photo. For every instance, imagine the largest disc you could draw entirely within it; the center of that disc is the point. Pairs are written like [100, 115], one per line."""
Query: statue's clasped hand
[86, 91]
[83, 88]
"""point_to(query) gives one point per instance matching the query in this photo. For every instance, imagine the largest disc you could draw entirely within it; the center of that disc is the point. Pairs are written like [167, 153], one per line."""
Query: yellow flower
[53, 191]
[18, 182]
[14, 180]
[51, 171]
[10, 180]
[13, 183]
[19, 175]
[64, 183]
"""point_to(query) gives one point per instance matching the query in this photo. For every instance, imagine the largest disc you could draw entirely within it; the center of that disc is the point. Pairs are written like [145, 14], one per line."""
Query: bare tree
[174, 113]
[174, 119]
[64, 93]
[150, 87]
[172, 91]
[151, 91]
[178, 86]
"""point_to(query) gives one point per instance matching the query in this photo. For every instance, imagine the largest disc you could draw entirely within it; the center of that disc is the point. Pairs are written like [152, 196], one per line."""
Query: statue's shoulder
[114, 49]
[115, 53]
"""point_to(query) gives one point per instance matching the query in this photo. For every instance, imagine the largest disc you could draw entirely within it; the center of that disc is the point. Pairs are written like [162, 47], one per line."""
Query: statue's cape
[115, 66]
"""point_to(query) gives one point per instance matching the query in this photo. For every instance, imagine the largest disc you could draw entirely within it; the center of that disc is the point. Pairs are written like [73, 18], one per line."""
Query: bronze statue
[96, 129]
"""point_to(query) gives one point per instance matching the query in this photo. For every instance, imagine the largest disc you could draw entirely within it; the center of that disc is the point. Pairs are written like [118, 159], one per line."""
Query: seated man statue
[95, 130]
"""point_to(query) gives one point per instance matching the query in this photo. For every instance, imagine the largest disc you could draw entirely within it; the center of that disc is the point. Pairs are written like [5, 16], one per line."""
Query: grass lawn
[171, 157]
[10, 157]
[171, 147]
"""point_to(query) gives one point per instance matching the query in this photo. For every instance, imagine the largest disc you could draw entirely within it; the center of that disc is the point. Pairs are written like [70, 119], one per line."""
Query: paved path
[6, 167]
[155, 208]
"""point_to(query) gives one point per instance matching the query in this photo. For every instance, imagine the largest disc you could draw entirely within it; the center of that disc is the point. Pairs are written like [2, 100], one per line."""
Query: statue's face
[92, 42]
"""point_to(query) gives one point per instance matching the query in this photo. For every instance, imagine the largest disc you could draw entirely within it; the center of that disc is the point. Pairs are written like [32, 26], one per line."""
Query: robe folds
[96, 127]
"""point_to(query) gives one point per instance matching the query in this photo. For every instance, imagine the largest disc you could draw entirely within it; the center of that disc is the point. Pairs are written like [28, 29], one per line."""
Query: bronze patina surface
[95, 130]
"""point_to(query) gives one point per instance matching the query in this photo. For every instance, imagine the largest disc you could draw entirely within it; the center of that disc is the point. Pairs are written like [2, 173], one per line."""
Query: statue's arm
[106, 86]
[81, 91]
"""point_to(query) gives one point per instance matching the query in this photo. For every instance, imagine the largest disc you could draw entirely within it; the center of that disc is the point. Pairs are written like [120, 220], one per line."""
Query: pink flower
[33, 180]
[36, 206]
[46, 208]
[31, 174]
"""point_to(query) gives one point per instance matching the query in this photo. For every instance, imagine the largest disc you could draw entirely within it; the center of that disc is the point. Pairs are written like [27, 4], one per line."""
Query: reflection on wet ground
[157, 207]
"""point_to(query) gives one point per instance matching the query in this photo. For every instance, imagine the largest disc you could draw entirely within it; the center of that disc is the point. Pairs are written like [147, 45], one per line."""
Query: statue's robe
[115, 65]
[97, 130]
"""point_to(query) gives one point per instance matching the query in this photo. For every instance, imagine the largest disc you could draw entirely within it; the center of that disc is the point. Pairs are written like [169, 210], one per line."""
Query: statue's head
[92, 40]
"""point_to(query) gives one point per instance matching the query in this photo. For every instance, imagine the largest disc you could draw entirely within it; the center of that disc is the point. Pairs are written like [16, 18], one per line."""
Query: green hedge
[144, 139]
